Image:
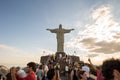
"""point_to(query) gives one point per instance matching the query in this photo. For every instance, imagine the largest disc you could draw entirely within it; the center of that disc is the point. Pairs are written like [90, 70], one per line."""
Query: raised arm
[92, 64]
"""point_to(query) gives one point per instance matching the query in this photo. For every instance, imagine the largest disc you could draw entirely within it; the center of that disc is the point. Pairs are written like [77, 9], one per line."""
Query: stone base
[43, 59]
[61, 59]
[60, 55]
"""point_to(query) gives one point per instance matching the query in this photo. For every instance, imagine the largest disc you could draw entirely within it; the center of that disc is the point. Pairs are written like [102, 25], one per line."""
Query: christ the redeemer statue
[60, 36]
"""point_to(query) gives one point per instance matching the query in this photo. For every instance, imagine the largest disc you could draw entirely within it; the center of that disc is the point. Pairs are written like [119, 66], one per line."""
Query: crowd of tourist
[109, 70]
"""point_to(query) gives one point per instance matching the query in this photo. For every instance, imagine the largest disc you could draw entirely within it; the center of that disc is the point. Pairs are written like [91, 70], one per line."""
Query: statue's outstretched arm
[67, 30]
[48, 29]
[52, 30]
[72, 29]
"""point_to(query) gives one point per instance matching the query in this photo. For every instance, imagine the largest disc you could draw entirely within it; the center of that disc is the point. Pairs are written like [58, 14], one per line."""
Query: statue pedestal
[43, 59]
[61, 59]
[60, 55]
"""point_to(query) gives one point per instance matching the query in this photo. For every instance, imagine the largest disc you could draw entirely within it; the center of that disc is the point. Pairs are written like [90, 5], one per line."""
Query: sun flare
[103, 27]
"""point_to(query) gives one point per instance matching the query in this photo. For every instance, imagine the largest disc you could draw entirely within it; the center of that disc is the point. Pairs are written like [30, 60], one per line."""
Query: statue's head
[60, 26]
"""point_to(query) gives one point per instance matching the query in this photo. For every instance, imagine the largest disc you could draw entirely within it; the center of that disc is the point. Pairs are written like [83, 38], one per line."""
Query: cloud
[6, 49]
[92, 55]
[88, 42]
[12, 56]
[107, 47]
[98, 58]
[102, 35]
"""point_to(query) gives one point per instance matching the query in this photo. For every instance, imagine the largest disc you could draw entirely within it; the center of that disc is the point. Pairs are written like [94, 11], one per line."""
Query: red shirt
[30, 76]
[99, 75]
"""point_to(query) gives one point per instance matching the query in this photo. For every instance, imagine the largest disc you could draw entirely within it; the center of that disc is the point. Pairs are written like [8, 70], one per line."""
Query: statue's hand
[47, 29]
[72, 29]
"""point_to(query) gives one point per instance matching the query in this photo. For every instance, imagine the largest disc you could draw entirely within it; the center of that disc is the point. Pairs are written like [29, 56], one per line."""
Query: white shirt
[66, 68]
[21, 73]
[86, 69]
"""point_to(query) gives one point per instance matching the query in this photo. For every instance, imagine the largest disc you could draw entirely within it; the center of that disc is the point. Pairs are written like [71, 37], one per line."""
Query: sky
[24, 38]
